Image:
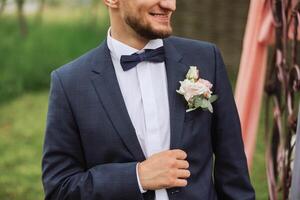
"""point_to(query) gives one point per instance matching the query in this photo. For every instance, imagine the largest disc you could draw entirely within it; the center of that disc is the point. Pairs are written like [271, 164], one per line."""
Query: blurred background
[37, 36]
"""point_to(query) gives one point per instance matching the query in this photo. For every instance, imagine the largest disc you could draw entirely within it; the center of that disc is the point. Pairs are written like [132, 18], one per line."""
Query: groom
[118, 130]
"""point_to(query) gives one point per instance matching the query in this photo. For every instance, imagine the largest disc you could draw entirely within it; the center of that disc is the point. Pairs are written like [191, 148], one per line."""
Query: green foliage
[22, 123]
[26, 63]
[258, 172]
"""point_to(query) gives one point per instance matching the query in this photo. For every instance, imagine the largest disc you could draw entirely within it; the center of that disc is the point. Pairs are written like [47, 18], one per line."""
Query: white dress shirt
[144, 90]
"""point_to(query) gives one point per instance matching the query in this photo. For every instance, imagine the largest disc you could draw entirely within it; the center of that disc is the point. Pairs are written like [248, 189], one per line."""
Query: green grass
[25, 66]
[258, 171]
[25, 63]
[22, 125]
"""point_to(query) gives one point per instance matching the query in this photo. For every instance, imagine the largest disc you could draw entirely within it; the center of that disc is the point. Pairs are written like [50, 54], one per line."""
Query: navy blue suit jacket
[91, 148]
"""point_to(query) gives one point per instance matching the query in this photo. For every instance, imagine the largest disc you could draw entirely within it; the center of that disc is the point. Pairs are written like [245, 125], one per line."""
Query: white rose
[193, 73]
[189, 89]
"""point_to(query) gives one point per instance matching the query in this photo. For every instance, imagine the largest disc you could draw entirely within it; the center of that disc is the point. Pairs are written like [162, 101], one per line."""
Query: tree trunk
[2, 6]
[21, 17]
[39, 15]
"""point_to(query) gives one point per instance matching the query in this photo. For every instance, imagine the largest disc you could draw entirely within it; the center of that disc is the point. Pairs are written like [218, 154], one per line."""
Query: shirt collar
[118, 48]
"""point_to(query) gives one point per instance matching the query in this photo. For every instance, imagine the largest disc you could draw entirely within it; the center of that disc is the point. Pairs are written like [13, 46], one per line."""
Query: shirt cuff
[138, 179]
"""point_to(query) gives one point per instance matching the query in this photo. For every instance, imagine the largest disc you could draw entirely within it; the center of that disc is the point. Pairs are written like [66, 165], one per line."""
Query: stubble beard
[145, 30]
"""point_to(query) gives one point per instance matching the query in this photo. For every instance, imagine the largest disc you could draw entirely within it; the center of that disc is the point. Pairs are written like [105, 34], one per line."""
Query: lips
[161, 17]
[158, 14]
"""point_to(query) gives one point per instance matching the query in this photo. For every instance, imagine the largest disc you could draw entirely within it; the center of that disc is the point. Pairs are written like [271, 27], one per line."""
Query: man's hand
[166, 169]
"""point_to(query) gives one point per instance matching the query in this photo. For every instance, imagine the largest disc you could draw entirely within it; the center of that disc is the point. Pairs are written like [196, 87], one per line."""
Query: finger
[180, 183]
[182, 164]
[179, 154]
[182, 173]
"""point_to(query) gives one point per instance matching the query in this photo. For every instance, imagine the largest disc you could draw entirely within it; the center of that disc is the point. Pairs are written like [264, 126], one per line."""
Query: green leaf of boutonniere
[198, 102]
[213, 98]
[210, 108]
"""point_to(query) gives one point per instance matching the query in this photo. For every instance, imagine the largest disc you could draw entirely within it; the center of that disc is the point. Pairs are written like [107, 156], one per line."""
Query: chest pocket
[190, 116]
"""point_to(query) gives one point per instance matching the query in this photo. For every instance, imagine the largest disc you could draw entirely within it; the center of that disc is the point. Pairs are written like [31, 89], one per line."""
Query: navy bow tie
[151, 55]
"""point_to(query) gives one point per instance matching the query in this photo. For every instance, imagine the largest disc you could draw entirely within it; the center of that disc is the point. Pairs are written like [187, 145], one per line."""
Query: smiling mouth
[158, 14]
[163, 17]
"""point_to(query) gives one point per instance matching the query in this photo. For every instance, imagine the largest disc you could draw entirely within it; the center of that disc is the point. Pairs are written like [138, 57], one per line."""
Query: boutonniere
[196, 91]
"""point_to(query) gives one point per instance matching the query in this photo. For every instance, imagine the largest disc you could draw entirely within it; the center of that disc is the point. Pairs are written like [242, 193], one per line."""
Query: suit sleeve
[64, 171]
[231, 176]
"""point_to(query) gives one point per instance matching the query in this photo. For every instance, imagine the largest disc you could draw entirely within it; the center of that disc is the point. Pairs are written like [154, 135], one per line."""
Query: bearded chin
[145, 30]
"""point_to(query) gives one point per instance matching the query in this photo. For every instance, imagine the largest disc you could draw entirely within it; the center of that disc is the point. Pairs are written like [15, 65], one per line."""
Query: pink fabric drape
[250, 83]
[259, 34]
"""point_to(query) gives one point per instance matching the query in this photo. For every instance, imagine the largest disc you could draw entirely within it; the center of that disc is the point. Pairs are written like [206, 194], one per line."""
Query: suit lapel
[107, 87]
[175, 72]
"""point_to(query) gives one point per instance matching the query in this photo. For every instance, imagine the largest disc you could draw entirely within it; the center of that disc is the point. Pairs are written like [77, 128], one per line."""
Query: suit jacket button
[175, 191]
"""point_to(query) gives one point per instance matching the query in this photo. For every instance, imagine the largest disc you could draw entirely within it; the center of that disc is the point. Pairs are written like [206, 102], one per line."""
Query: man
[118, 130]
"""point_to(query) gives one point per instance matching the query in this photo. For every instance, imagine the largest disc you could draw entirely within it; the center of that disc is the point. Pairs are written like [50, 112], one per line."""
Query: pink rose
[206, 83]
[190, 89]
